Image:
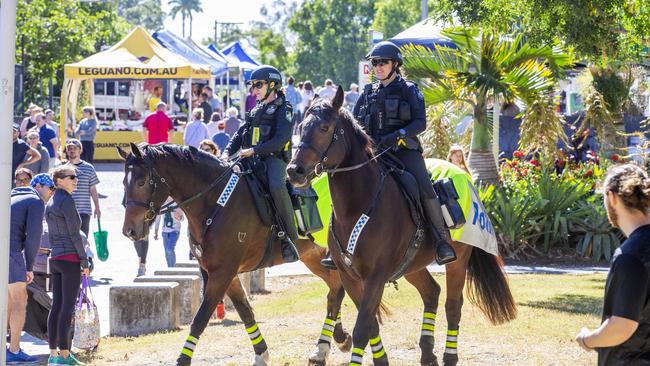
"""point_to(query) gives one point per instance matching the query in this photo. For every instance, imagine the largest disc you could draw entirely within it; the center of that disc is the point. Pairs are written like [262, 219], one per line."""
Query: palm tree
[185, 7]
[483, 68]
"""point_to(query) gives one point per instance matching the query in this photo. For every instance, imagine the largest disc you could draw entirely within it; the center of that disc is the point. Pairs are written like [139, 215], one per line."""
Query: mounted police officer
[392, 112]
[267, 134]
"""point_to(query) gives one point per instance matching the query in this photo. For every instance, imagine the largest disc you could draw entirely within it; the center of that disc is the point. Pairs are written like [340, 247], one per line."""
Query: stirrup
[446, 255]
[328, 263]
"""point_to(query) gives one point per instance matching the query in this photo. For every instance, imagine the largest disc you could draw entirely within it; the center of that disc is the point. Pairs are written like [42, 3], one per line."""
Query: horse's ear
[123, 154]
[337, 102]
[136, 151]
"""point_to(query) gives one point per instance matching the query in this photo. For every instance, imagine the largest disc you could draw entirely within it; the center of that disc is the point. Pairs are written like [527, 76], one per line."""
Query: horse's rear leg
[456, 274]
[429, 292]
[240, 300]
[213, 292]
[332, 327]
[366, 324]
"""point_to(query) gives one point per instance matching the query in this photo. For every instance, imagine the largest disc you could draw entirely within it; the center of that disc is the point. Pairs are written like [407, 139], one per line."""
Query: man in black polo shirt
[623, 338]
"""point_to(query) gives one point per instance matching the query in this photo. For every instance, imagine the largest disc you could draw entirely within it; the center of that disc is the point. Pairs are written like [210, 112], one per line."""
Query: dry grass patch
[552, 308]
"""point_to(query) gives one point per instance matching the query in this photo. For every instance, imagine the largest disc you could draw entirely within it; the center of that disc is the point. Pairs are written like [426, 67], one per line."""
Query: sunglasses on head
[23, 180]
[379, 62]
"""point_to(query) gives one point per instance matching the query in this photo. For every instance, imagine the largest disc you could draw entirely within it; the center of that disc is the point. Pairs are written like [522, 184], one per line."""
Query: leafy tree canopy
[147, 13]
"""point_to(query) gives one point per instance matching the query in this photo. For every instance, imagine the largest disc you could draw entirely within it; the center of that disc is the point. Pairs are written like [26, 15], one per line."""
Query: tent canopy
[136, 56]
[190, 51]
[236, 55]
[426, 33]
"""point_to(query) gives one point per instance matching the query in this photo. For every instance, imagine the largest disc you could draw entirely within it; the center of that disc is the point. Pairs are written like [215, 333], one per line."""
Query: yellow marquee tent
[136, 56]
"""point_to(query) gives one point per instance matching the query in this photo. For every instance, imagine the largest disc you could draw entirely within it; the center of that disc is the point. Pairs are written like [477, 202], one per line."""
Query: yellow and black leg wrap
[451, 346]
[328, 331]
[255, 335]
[378, 351]
[190, 345]
[356, 359]
[427, 340]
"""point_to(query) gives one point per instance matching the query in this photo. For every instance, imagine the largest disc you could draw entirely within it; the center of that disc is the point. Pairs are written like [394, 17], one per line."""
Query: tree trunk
[481, 157]
[183, 26]
[190, 25]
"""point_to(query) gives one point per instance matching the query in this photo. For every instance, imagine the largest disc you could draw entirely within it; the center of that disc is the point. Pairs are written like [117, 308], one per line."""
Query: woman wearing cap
[67, 263]
[392, 112]
[267, 134]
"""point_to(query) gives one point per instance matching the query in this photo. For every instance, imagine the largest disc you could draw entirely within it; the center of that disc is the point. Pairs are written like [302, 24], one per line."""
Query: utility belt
[284, 155]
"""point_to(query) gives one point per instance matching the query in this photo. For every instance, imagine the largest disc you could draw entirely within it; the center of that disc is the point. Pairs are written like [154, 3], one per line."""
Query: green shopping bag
[101, 242]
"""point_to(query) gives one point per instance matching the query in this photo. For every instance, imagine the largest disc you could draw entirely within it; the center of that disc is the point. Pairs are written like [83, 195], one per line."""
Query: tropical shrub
[544, 209]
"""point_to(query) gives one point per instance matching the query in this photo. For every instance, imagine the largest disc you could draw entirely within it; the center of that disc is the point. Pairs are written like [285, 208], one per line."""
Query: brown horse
[332, 141]
[229, 235]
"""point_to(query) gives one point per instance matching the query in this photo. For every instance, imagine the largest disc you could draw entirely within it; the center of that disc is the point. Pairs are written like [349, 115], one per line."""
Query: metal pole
[425, 9]
[216, 23]
[7, 57]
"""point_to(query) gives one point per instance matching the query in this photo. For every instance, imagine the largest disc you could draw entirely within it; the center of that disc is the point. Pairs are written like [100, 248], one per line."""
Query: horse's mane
[205, 163]
[324, 108]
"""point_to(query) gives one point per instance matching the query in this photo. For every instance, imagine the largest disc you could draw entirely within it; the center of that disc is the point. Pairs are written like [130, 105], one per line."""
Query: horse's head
[322, 141]
[145, 192]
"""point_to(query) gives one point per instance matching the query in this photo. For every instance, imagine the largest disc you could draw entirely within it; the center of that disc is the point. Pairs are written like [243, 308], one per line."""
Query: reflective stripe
[451, 344]
[426, 333]
[379, 354]
[428, 321]
[328, 327]
[451, 351]
[254, 335]
[326, 332]
[252, 328]
[452, 332]
[190, 346]
[377, 347]
[325, 338]
[192, 339]
[257, 340]
[329, 321]
[375, 340]
[452, 339]
[428, 327]
[429, 315]
[357, 351]
[356, 358]
[187, 352]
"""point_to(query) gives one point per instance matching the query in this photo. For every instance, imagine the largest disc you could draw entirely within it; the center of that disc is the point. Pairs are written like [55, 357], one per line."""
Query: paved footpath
[122, 264]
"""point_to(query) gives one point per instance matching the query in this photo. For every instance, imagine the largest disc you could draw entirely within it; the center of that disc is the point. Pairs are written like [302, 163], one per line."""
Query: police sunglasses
[379, 62]
[257, 84]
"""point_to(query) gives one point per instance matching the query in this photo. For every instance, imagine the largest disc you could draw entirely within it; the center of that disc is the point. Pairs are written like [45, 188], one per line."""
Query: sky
[219, 10]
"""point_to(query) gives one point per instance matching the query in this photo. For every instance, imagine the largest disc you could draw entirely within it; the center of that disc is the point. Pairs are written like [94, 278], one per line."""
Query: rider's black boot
[444, 252]
[289, 251]
[328, 262]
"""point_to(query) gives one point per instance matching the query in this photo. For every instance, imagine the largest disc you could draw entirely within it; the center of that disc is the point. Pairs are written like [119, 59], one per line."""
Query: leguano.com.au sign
[127, 71]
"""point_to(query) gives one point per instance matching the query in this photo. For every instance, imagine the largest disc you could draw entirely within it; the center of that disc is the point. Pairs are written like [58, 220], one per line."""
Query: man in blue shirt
[221, 138]
[26, 228]
[48, 138]
[293, 96]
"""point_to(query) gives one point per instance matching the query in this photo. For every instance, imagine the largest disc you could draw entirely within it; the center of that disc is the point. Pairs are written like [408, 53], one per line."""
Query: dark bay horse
[333, 142]
[231, 237]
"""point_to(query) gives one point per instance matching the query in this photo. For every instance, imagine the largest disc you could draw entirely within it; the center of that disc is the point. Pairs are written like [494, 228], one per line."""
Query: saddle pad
[477, 231]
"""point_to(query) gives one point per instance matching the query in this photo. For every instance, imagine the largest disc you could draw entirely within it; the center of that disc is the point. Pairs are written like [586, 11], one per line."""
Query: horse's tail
[382, 311]
[487, 287]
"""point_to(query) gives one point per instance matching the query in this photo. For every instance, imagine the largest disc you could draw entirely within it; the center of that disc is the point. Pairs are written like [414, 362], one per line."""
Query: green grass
[552, 308]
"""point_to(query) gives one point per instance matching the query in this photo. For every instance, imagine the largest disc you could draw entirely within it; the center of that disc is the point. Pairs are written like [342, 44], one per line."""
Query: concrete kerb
[190, 293]
[141, 308]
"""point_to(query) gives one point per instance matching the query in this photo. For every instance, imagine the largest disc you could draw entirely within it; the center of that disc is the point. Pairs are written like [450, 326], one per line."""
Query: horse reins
[324, 158]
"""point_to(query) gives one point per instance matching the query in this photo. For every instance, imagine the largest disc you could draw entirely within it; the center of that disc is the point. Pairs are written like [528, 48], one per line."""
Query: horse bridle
[323, 154]
[155, 179]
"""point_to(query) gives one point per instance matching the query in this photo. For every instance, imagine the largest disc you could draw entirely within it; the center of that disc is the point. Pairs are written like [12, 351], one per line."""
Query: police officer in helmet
[267, 134]
[392, 112]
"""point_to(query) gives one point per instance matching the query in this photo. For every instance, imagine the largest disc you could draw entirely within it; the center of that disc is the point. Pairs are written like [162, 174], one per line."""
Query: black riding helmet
[387, 50]
[268, 73]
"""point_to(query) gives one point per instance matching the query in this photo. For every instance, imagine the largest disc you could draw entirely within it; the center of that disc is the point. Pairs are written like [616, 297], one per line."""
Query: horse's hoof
[346, 345]
[450, 359]
[183, 361]
[262, 360]
[320, 355]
